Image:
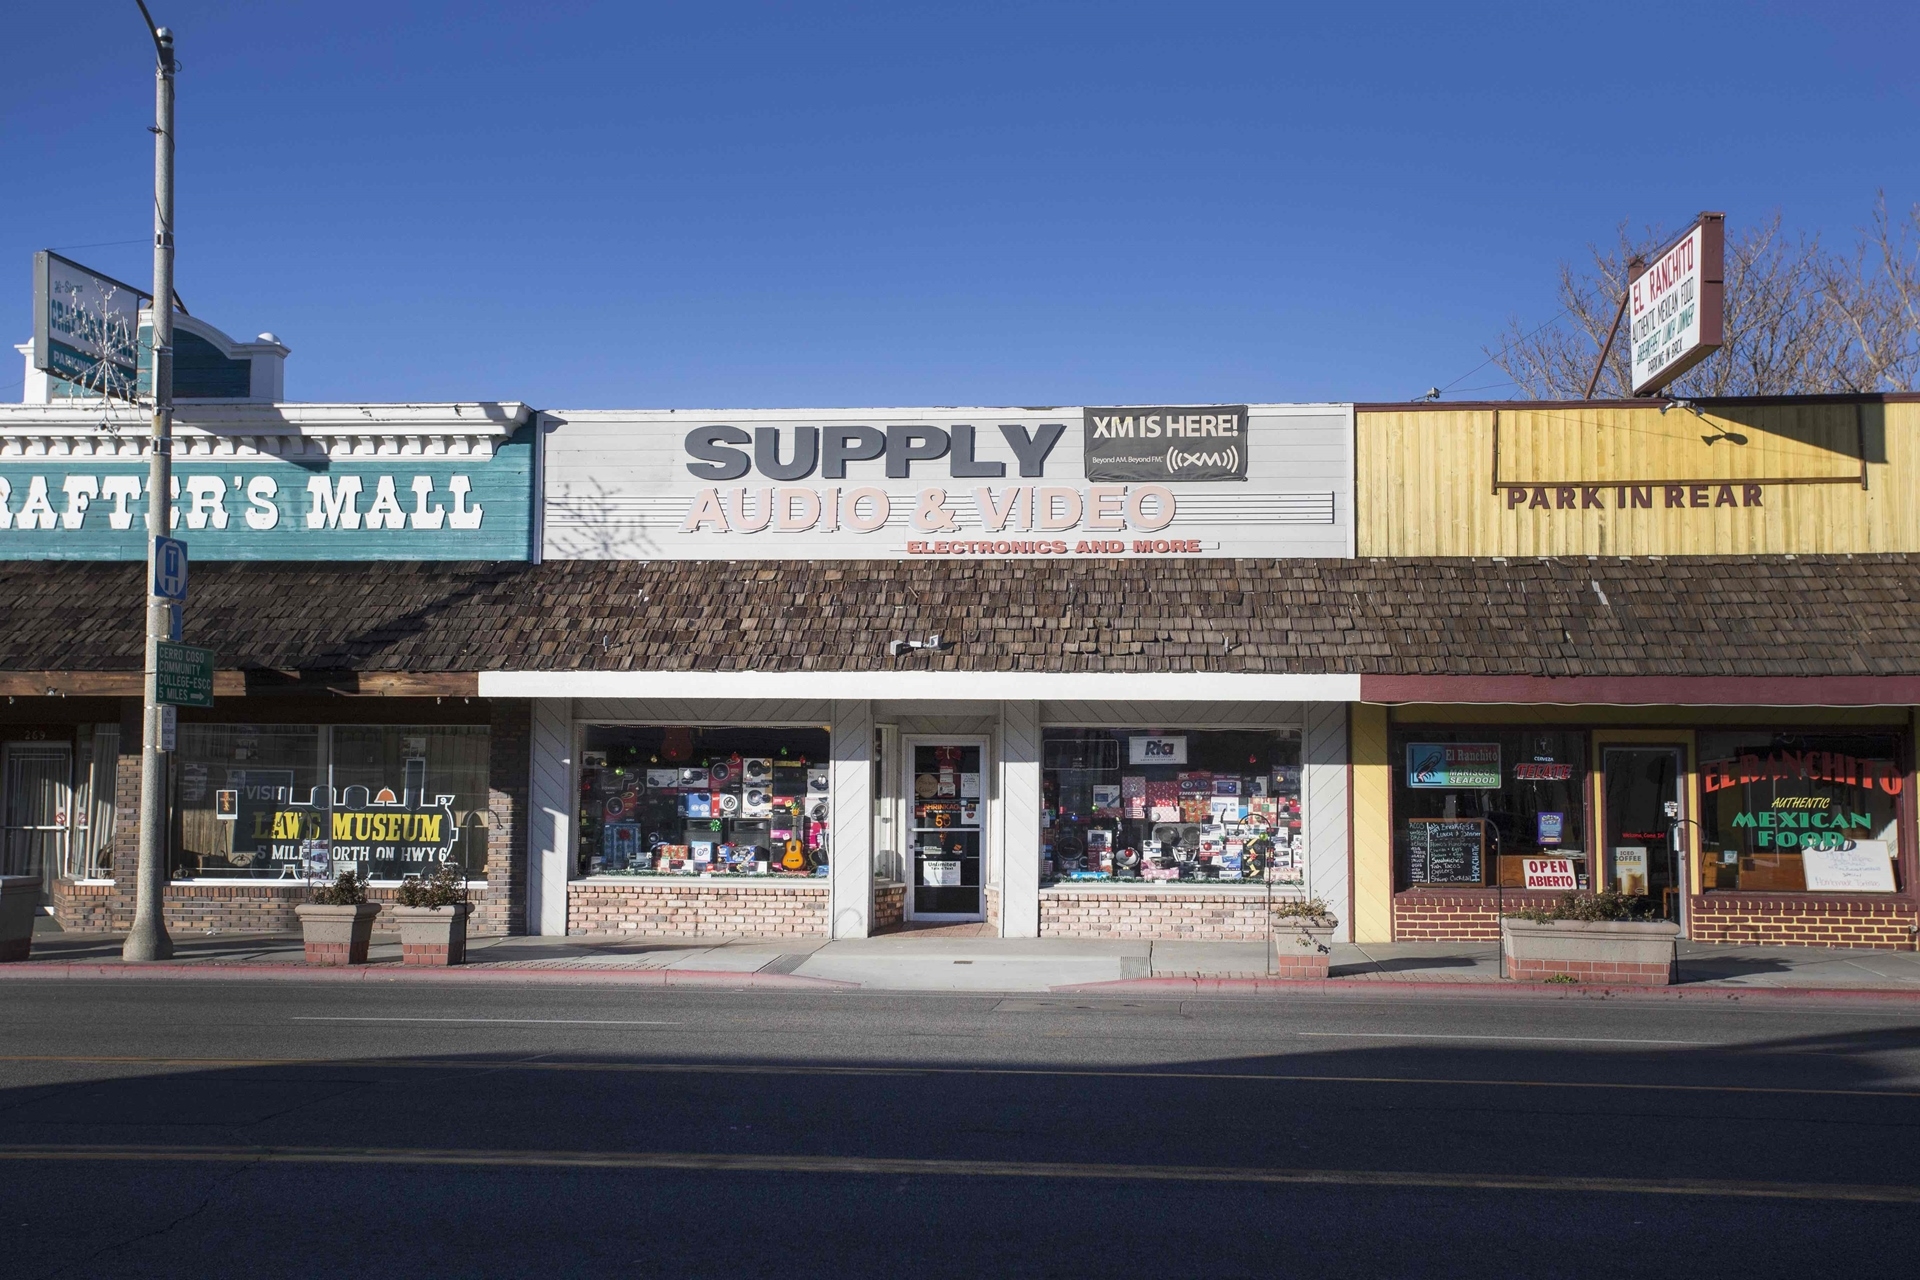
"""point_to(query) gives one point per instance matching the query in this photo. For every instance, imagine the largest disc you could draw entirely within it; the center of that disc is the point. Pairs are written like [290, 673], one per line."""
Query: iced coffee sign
[1146, 481]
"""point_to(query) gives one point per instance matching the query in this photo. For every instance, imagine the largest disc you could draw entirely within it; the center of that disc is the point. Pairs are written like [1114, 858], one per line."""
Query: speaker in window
[757, 770]
[819, 811]
[694, 777]
[727, 804]
[758, 803]
[721, 774]
[817, 782]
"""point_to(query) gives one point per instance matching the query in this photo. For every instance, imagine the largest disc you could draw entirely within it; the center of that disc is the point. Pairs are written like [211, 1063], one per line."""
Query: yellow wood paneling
[1372, 826]
[1426, 480]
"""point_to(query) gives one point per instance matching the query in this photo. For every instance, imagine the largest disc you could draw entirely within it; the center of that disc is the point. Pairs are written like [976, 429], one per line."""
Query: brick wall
[662, 907]
[502, 907]
[993, 908]
[1796, 920]
[1424, 915]
[889, 906]
[83, 908]
[1216, 916]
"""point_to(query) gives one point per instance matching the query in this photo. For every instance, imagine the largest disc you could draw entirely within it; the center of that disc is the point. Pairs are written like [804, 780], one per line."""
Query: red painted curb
[1495, 990]
[69, 972]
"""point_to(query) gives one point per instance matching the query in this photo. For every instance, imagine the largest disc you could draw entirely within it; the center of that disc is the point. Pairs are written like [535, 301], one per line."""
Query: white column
[850, 822]
[1019, 819]
[1323, 803]
[552, 795]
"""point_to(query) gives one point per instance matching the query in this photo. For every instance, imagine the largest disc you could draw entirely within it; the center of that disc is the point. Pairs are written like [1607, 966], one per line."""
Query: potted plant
[19, 905]
[433, 917]
[337, 925]
[1607, 937]
[1302, 937]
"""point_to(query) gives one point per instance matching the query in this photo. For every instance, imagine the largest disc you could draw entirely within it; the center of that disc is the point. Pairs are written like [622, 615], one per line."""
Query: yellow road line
[892, 1167]
[906, 1069]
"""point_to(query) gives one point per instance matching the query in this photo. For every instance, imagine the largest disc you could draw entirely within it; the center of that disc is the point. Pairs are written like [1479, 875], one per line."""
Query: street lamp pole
[148, 939]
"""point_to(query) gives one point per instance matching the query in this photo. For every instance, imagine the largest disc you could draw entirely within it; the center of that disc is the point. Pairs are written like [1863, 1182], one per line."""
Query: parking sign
[170, 568]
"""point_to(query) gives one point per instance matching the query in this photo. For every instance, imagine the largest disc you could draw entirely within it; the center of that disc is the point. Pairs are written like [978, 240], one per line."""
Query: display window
[679, 800]
[1471, 805]
[307, 802]
[1171, 805]
[1796, 812]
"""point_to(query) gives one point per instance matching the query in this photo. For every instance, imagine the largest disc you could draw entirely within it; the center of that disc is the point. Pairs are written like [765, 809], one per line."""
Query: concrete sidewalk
[951, 960]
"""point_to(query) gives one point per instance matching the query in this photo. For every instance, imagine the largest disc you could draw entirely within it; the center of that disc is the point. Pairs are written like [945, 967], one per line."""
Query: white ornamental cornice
[469, 429]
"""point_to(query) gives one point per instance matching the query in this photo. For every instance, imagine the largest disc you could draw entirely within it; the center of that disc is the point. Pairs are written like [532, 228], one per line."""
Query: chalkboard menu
[1446, 850]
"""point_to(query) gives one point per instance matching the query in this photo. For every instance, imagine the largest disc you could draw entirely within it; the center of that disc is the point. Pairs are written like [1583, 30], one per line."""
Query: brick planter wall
[83, 908]
[1803, 920]
[889, 906]
[686, 907]
[1429, 915]
[1591, 972]
[992, 898]
[1219, 915]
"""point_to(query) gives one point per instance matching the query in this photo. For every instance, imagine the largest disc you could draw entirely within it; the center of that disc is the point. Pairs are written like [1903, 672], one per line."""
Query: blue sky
[711, 204]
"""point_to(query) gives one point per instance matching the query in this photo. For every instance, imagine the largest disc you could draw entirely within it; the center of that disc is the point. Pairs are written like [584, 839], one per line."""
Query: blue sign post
[170, 569]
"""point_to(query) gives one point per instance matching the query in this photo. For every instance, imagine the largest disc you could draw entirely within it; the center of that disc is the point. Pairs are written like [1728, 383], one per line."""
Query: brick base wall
[1422, 915]
[665, 908]
[992, 896]
[1590, 972]
[1171, 914]
[83, 908]
[1796, 920]
[889, 906]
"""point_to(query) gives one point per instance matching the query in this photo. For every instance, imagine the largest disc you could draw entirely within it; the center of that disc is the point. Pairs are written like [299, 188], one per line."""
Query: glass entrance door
[1639, 830]
[946, 795]
[36, 813]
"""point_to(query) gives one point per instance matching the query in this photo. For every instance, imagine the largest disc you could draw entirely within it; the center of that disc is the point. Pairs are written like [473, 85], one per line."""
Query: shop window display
[301, 802]
[703, 801]
[1789, 812]
[1171, 806]
[1473, 804]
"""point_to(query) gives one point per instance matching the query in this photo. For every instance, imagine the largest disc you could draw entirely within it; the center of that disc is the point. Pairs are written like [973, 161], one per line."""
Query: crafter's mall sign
[1238, 480]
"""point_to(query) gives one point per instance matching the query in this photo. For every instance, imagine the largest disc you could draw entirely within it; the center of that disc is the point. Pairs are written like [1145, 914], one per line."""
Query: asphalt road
[226, 1128]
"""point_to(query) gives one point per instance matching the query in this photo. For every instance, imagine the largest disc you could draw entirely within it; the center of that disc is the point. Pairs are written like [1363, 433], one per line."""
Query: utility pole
[148, 939]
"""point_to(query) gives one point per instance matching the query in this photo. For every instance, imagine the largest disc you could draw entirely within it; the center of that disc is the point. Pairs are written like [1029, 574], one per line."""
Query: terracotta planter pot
[1615, 953]
[19, 906]
[1300, 949]
[337, 935]
[433, 935]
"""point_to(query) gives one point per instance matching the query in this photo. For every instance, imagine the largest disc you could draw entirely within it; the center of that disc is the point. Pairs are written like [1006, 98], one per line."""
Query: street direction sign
[170, 568]
[183, 675]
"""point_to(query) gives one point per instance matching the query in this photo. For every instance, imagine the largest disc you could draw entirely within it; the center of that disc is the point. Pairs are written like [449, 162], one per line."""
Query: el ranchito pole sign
[1677, 305]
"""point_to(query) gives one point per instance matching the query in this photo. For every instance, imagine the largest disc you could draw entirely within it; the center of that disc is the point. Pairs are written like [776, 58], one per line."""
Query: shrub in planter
[337, 925]
[1607, 938]
[433, 917]
[1302, 937]
[19, 905]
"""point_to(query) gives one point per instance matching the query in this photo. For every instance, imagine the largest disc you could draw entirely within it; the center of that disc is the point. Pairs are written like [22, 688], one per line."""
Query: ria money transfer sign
[1155, 481]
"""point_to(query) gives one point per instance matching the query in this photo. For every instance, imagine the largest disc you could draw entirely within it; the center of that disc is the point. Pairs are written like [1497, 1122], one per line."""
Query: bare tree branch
[1799, 319]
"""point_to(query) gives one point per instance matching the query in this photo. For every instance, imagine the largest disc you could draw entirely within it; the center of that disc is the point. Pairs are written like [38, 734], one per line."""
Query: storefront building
[1692, 679]
[392, 771]
[830, 673]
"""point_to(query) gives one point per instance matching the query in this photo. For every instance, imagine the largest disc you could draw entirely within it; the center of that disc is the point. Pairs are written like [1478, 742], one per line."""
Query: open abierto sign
[1550, 873]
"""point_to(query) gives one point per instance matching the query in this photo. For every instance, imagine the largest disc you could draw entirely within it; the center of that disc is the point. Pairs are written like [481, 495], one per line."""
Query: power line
[1436, 392]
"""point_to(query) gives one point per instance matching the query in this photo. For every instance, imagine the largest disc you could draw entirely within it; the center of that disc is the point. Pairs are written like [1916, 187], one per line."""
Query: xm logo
[1214, 461]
